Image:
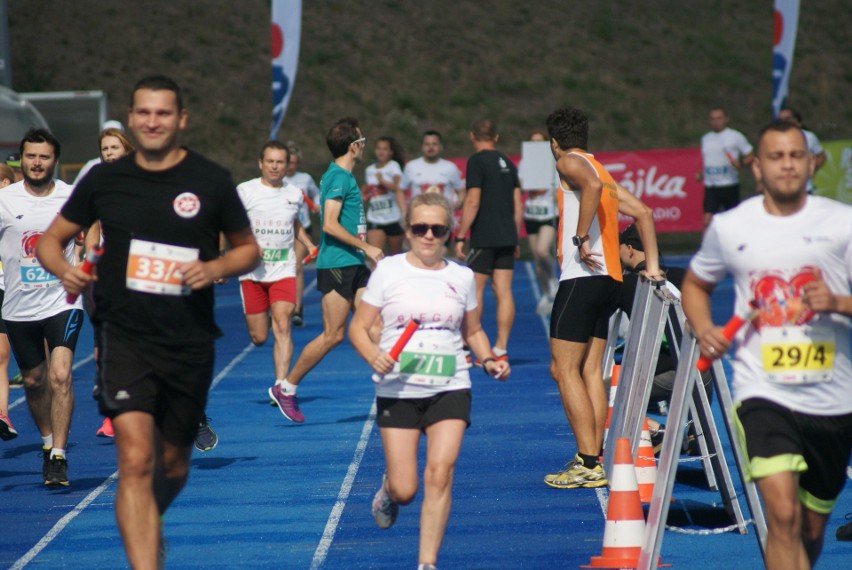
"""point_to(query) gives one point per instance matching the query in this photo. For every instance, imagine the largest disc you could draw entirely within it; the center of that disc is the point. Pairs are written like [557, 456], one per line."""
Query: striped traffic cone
[625, 521]
[646, 465]
[613, 388]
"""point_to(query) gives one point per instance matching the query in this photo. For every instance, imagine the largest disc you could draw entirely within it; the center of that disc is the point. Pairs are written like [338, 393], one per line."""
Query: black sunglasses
[438, 230]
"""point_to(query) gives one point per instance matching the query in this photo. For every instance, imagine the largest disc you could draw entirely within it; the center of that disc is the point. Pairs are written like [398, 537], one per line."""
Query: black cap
[630, 236]
[14, 160]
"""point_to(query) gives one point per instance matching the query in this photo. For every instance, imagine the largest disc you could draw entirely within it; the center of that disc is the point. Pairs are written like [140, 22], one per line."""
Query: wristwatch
[578, 240]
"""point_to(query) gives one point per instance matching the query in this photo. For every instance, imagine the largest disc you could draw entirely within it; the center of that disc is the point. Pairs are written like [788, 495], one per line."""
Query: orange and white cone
[646, 465]
[613, 388]
[625, 521]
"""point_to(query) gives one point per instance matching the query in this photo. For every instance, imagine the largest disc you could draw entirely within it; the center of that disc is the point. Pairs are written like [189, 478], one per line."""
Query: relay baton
[86, 267]
[312, 255]
[396, 349]
[311, 205]
[729, 331]
[731, 158]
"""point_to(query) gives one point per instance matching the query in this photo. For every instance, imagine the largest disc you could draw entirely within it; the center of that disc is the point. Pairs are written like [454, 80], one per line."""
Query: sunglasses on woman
[438, 230]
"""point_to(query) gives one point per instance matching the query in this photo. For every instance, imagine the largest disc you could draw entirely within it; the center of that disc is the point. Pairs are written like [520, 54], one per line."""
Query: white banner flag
[286, 32]
[786, 24]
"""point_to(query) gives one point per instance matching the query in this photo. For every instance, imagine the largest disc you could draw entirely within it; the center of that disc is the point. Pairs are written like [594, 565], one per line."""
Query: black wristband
[460, 239]
[485, 361]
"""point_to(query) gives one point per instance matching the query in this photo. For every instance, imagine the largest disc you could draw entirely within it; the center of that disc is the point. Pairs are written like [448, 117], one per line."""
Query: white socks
[286, 387]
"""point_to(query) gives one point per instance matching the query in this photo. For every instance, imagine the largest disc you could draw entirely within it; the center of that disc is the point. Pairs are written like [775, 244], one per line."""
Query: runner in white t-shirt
[791, 254]
[431, 173]
[540, 218]
[428, 390]
[273, 208]
[309, 188]
[723, 152]
[384, 200]
[35, 309]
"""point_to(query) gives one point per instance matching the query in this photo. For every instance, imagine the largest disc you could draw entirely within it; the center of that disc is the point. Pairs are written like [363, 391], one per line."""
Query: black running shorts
[345, 280]
[778, 440]
[28, 338]
[582, 308]
[485, 260]
[391, 230]
[533, 226]
[420, 413]
[720, 198]
[168, 382]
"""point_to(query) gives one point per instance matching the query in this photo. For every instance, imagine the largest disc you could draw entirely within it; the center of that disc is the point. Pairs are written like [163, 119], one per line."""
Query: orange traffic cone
[625, 521]
[646, 465]
[613, 388]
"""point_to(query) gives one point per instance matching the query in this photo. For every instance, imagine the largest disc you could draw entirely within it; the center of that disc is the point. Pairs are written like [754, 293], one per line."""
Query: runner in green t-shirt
[341, 273]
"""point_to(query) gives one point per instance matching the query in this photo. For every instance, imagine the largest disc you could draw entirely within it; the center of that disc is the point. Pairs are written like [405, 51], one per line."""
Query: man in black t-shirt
[493, 213]
[161, 210]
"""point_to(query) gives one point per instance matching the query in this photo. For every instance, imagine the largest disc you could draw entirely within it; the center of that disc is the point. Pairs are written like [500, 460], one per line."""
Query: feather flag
[286, 32]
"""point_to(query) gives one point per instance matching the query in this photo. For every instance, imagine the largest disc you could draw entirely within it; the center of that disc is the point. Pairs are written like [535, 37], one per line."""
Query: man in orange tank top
[589, 203]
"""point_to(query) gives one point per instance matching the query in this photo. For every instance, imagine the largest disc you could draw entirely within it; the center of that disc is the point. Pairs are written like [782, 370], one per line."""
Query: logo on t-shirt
[187, 205]
[28, 243]
[779, 296]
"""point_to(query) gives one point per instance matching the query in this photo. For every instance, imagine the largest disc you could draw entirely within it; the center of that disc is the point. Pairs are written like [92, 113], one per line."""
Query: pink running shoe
[289, 405]
[106, 429]
[7, 430]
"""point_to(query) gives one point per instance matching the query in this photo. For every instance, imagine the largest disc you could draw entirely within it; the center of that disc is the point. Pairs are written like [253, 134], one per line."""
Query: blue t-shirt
[338, 184]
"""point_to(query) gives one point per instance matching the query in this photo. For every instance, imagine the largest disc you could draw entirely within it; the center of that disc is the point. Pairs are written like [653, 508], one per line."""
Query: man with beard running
[35, 310]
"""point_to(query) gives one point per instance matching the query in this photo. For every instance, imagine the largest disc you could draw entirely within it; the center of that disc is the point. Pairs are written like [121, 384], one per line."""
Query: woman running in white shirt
[428, 390]
[384, 199]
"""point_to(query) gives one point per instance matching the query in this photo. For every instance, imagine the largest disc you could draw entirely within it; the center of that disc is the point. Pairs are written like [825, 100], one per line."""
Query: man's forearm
[338, 232]
[590, 197]
[238, 260]
[51, 254]
[696, 306]
[469, 212]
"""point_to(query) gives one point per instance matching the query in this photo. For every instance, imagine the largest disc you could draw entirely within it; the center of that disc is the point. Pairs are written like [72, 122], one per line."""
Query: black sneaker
[297, 320]
[7, 430]
[45, 463]
[57, 473]
[844, 532]
[206, 439]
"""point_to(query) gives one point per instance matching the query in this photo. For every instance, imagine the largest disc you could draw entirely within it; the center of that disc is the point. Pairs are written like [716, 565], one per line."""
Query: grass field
[646, 72]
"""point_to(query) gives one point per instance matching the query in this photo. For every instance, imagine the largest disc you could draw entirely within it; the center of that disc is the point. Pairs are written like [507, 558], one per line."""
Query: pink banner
[663, 179]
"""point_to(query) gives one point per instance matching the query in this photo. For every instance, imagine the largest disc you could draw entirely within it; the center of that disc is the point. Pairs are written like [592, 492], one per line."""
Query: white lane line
[66, 520]
[345, 488]
[62, 523]
[79, 363]
[603, 497]
[219, 377]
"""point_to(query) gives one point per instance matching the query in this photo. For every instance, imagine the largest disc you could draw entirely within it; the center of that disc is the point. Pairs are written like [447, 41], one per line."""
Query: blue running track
[274, 494]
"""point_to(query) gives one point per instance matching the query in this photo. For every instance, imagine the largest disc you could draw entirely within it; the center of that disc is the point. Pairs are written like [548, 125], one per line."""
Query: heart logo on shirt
[780, 300]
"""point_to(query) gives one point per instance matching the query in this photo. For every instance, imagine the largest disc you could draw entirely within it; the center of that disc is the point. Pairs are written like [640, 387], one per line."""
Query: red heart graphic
[780, 301]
